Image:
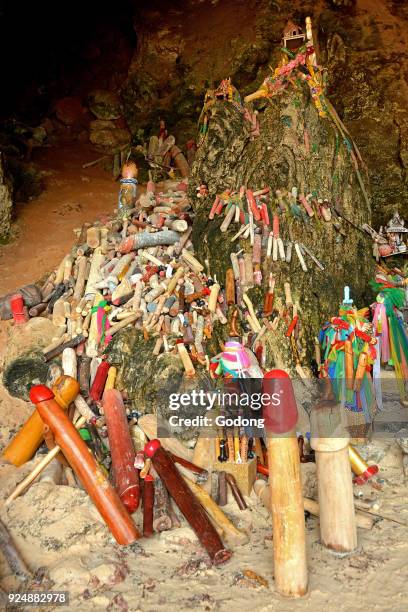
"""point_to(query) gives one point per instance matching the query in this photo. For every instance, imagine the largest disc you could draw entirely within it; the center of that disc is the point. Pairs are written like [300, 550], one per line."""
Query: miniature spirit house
[396, 234]
[293, 37]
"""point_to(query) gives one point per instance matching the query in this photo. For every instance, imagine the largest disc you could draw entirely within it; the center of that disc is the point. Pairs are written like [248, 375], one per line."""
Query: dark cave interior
[49, 54]
[158, 58]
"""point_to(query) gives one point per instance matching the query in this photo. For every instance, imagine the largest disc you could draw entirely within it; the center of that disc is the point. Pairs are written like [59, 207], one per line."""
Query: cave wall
[160, 56]
[183, 48]
[187, 46]
[6, 201]
[279, 158]
[366, 55]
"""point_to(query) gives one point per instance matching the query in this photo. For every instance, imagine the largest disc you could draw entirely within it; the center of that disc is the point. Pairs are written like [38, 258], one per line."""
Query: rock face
[365, 50]
[279, 158]
[150, 381]
[107, 134]
[22, 362]
[182, 51]
[296, 148]
[104, 104]
[6, 202]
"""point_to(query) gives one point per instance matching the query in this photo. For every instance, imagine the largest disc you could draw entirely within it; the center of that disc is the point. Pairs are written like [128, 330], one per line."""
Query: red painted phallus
[125, 475]
[281, 412]
[85, 467]
[98, 384]
[18, 309]
[187, 502]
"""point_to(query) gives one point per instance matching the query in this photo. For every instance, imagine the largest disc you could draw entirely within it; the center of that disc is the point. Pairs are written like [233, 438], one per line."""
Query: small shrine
[293, 36]
[393, 237]
[396, 230]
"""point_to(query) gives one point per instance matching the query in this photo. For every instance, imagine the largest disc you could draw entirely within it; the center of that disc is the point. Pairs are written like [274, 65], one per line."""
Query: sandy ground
[43, 231]
[65, 542]
[63, 539]
[58, 529]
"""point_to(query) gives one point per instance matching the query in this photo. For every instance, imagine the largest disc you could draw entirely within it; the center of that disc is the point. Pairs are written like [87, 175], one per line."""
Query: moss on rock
[149, 381]
[278, 158]
[23, 372]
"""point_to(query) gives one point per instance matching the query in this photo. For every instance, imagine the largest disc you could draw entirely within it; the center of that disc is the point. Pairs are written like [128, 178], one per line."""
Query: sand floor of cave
[43, 227]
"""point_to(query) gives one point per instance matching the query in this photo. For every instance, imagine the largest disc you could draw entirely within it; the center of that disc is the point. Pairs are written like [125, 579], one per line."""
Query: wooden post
[191, 261]
[58, 313]
[121, 267]
[83, 408]
[111, 378]
[94, 273]
[148, 503]
[212, 300]
[24, 444]
[161, 518]
[179, 273]
[67, 269]
[131, 318]
[92, 344]
[147, 239]
[227, 220]
[104, 240]
[289, 544]
[93, 237]
[334, 480]
[261, 93]
[59, 275]
[187, 503]
[85, 467]
[230, 286]
[125, 476]
[288, 521]
[80, 281]
[185, 358]
[177, 225]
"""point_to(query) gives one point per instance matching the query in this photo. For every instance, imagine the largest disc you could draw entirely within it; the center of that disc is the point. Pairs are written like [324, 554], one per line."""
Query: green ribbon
[94, 309]
[288, 52]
